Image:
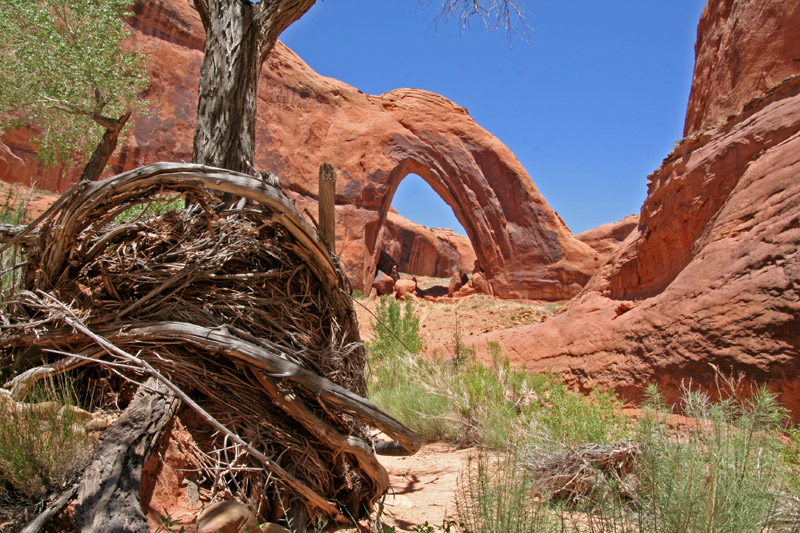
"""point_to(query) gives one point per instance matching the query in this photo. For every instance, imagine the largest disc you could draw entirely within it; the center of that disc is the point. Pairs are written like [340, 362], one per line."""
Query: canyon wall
[709, 280]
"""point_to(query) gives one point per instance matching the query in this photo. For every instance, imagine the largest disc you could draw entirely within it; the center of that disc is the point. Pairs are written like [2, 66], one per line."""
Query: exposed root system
[239, 307]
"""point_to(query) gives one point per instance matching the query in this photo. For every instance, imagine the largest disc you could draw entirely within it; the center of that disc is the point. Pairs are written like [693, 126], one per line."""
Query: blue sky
[590, 104]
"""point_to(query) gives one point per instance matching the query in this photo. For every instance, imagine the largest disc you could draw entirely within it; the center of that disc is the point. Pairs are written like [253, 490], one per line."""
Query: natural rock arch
[305, 119]
[374, 142]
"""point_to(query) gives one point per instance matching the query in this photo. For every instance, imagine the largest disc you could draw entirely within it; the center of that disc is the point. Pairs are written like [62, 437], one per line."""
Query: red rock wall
[711, 274]
[607, 238]
[743, 48]
[305, 119]
[422, 251]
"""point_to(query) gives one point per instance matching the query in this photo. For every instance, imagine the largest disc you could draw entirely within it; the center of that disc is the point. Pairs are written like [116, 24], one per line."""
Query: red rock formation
[606, 238]
[372, 141]
[743, 48]
[711, 274]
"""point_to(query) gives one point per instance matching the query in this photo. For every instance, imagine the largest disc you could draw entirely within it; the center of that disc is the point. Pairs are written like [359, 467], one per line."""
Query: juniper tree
[63, 72]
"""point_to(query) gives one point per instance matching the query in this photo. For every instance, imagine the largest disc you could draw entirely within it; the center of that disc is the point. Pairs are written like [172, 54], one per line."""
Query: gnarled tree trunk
[239, 36]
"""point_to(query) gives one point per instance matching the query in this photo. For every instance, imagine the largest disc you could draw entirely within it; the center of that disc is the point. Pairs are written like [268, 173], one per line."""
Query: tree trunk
[239, 36]
[108, 498]
[101, 154]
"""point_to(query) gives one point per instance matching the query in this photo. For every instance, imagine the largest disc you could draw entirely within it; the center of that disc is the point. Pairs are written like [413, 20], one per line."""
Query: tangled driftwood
[239, 310]
[577, 472]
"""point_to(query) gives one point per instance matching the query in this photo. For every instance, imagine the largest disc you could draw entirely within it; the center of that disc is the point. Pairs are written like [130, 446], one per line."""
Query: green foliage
[12, 212]
[62, 67]
[396, 330]
[153, 206]
[728, 473]
[467, 402]
[169, 524]
[495, 495]
[723, 475]
[41, 445]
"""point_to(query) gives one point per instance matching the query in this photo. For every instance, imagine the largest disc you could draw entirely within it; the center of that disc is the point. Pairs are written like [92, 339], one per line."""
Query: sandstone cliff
[421, 251]
[711, 274]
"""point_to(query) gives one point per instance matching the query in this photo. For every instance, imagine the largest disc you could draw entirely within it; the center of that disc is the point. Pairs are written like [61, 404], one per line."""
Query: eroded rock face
[710, 277]
[606, 238]
[372, 141]
[743, 48]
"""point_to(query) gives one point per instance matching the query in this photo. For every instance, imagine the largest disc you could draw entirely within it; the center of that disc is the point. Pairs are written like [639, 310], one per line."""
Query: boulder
[388, 265]
[405, 287]
[457, 280]
[383, 284]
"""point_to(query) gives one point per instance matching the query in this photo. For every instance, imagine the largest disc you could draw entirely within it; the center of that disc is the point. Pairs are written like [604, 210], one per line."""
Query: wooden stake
[327, 206]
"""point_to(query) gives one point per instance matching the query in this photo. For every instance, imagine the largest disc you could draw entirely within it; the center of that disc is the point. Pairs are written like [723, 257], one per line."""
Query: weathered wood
[327, 206]
[276, 366]
[239, 36]
[97, 163]
[313, 499]
[108, 497]
[51, 510]
[371, 468]
[81, 204]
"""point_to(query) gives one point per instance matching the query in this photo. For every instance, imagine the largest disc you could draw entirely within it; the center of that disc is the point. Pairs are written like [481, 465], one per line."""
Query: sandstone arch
[305, 119]
[376, 141]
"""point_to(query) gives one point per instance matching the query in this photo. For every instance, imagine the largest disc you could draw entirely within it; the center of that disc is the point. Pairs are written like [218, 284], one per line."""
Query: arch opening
[422, 232]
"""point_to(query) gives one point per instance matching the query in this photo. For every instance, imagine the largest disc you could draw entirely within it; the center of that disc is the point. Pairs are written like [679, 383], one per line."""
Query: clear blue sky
[590, 105]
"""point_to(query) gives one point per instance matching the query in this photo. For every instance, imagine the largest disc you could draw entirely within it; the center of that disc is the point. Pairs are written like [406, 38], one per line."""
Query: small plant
[42, 443]
[396, 330]
[461, 352]
[169, 524]
[357, 295]
[494, 494]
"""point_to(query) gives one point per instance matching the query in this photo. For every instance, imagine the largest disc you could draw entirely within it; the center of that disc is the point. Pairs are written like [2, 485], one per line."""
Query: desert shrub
[725, 474]
[396, 329]
[731, 471]
[42, 443]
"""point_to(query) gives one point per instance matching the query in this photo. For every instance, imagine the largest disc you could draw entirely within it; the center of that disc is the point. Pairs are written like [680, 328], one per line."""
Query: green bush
[495, 495]
[41, 445]
[723, 475]
[396, 330]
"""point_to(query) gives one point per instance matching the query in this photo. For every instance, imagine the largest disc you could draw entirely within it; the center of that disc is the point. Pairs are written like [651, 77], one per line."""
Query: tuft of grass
[42, 443]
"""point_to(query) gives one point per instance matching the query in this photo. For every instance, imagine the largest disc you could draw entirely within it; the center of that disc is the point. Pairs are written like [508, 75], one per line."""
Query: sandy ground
[423, 486]
[441, 320]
